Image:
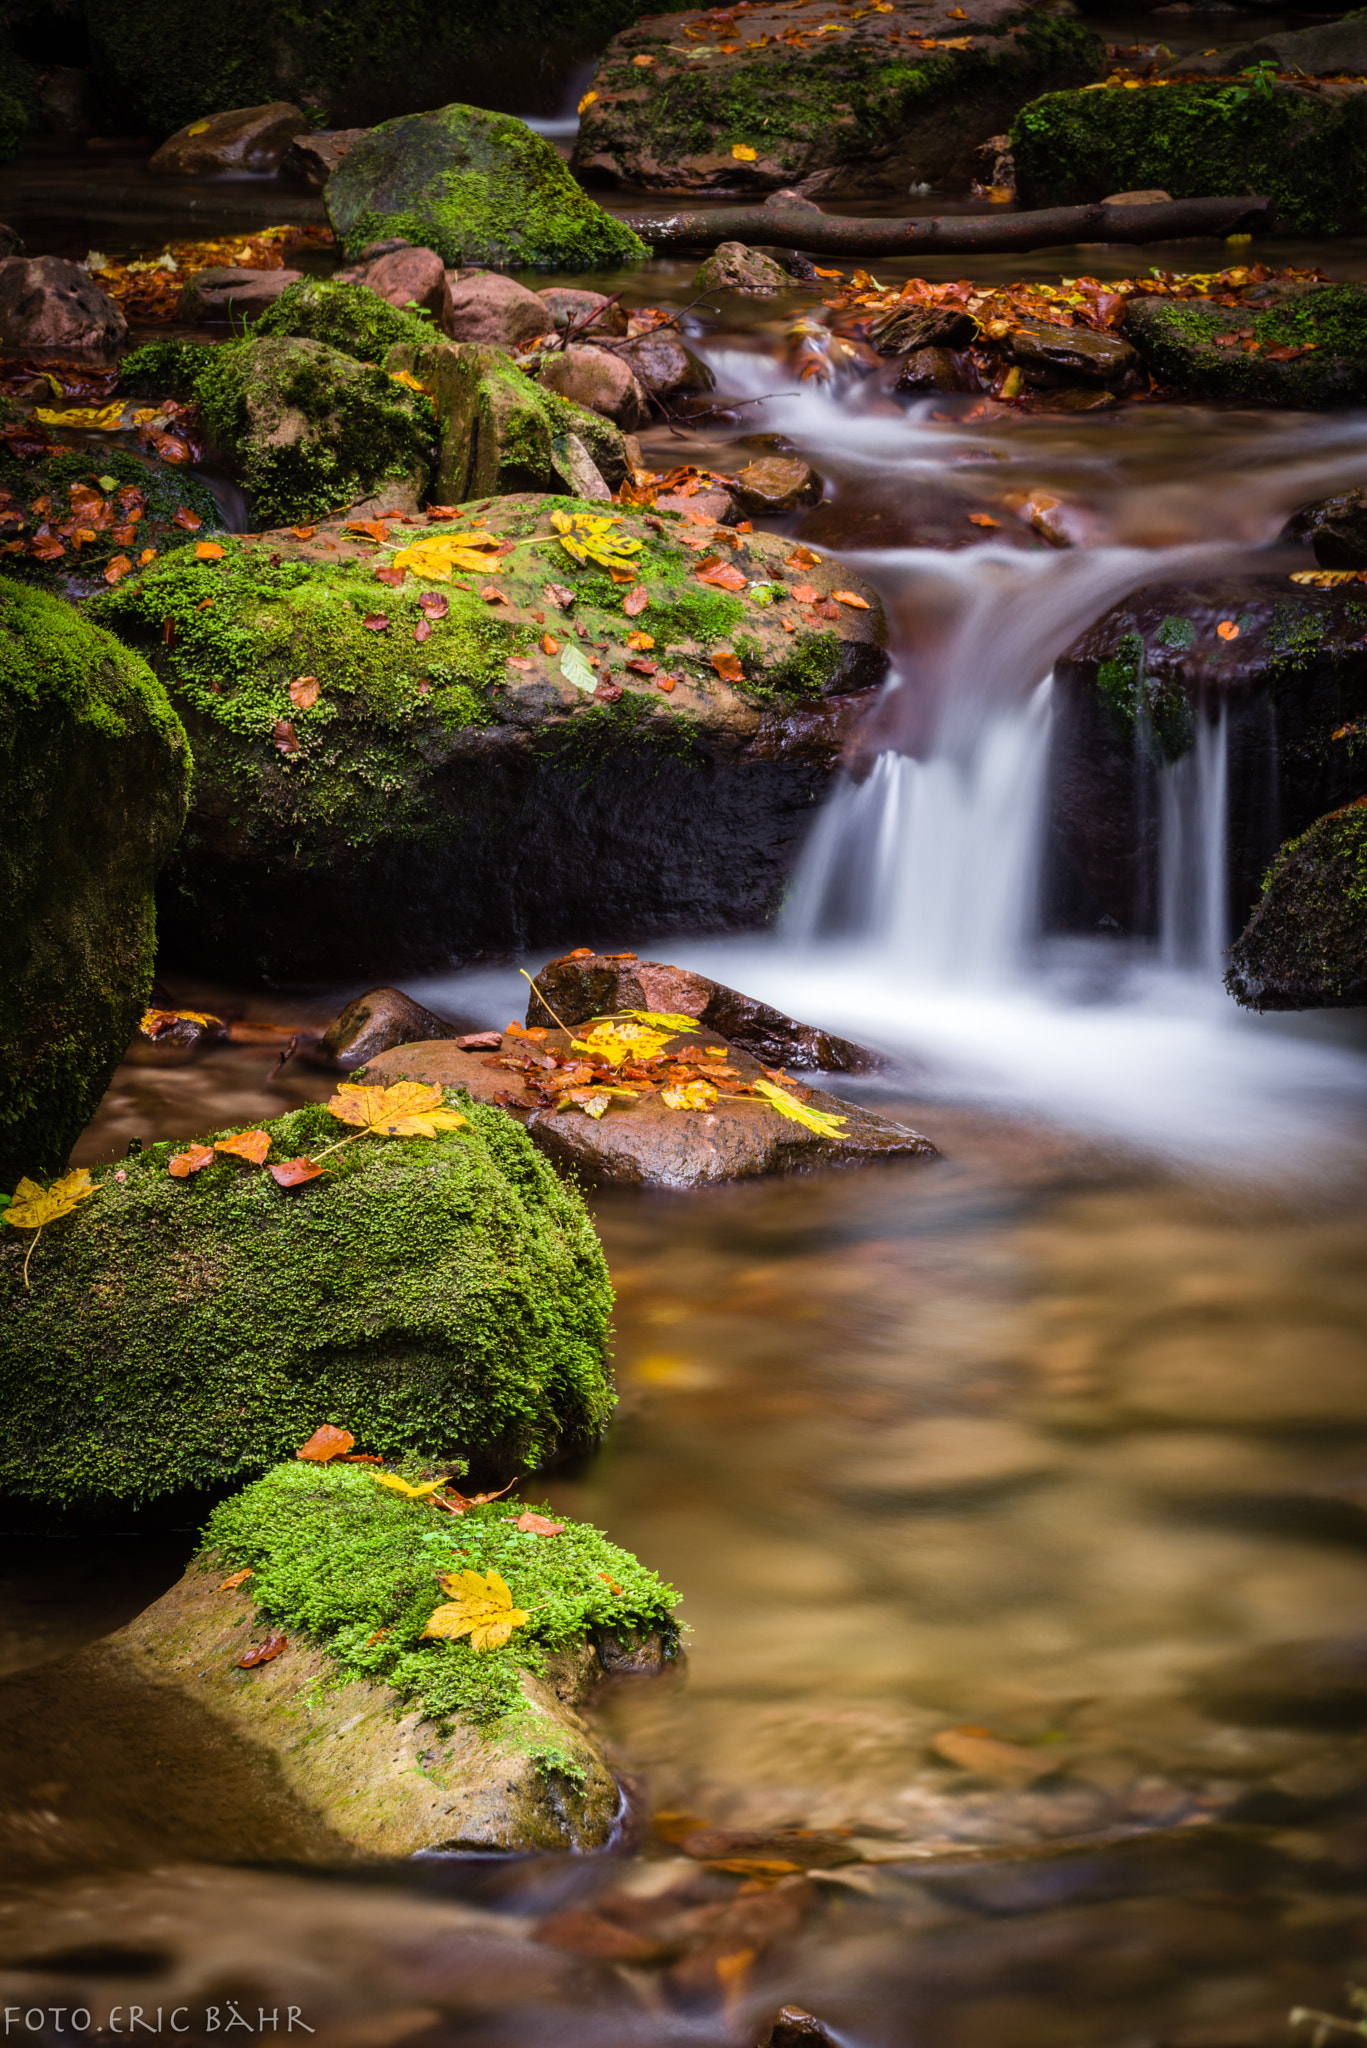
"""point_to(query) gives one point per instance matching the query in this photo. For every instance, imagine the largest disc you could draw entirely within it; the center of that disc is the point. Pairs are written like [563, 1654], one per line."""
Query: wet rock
[569, 308]
[791, 2027]
[777, 483]
[907, 329]
[817, 109]
[732, 267]
[1076, 352]
[1157, 197]
[508, 790]
[247, 139]
[645, 1143]
[1336, 528]
[497, 311]
[96, 771]
[717, 506]
[1305, 946]
[1287, 671]
[381, 1018]
[789, 196]
[600, 380]
[587, 984]
[406, 277]
[190, 1332]
[236, 296]
[480, 188]
[938, 369]
[46, 302]
[1072, 398]
[310, 160]
[635, 1652]
[1298, 345]
[1327, 48]
[665, 366]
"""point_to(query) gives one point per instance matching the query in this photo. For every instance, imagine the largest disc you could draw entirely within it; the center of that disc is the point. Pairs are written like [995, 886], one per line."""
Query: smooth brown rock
[584, 985]
[732, 267]
[665, 366]
[235, 296]
[310, 160]
[702, 505]
[247, 139]
[488, 307]
[1074, 351]
[381, 1018]
[777, 483]
[46, 302]
[406, 277]
[599, 379]
[937, 369]
[567, 306]
[908, 328]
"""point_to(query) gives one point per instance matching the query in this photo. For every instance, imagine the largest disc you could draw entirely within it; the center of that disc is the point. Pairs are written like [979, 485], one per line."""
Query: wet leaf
[249, 1145]
[482, 1608]
[690, 1095]
[303, 532]
[376, 622]
[801, 558]
[805, 593]
[304, 692]
[113, 571]
[98, 418]
[536, 1525]
[618, 1042]
[193, 1160]
[292, 1173]
[821, 1121]
[635, 601]
[411, 383]
[595, 1102]
[576, 670]
[596, 537]
[665, 1020]
[397, 1485]
[743, 153]
[728, 667]
[191, 521]
[235, 1579]
[549, 645]
[153, 1023]
[1227, 630]
[1325, 579]
[284, 736]
[208, 551]
[33, 1206]
[666, 683]
[434, 603]
[422, 631]
[369, 529]
[409, 1109]
[326, 1443]
[264, 1653]
[849, 597]
[721, 575]
[393, 577]
[434, 558]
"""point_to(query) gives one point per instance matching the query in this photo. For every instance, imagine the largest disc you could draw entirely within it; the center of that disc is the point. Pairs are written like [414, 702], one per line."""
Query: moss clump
[1306, 150]
[96, 771]
[78, 572]
[165, 369]
[1152, 710]
[446, 1296]
[1186, 343]
[477, 187]
[332, 1554]
[346, 317]
[1305, 946]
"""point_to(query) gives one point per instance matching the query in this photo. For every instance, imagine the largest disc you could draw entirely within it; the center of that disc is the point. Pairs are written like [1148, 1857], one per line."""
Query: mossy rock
[1305, 946]
[481, 189]
[77, 573]
[446, 1296]
[1306, 150]
[458, 791]
[96, 772]
[347, 317]
[868, 109]
[305, 428]
[1181, 342]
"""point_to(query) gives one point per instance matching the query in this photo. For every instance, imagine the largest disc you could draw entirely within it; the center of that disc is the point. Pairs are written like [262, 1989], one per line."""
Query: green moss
[347, 317]
[1176, 633]
[95, 769]
[477, 187]
[165, 369]
[499, 432]
[332, 1554]
[812, 668]
[77, 572]
[1305, 150]
[636, 726]
[1331, 317]
[1305, 946]
[442, 1296]
[1153, 710]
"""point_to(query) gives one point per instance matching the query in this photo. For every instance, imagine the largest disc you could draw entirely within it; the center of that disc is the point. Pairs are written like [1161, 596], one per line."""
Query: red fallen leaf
[643, 668]
[423, 630]
[125, 536]
[979, 519]
[191, 521]
[303, 532]
[120, 566]
[434, 604]
[424, 687]
[393, 577]
[443, 511]
[371, 529]
[326, 1443]
[721, 575]
[520, 661]
[304, 692]
[801, 558]
[190, 1161]
[292, 1173]
[535, 1525]
[284, 736]
[608, 693]
[665, 683]
[557, 595]
[728, 668]
[805, 593]
[262, 1653]
[52, 551]
[360, 1458]
[376, 622]
[505, 1099]
[635, 601]
[1227, 630]
[549, 644]
[492, 595]
[825, 610]
[235, 1579]
[208, 551]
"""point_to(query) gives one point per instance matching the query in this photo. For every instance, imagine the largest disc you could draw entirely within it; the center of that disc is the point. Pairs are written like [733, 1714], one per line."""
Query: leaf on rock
[535, 1525]
[819, 1120]
[641, 642]
[409, 1109]
[635, 601]
[410, 382]
[303, 532]
[805, 593]
[153, 1023]
[801, 558]
[1227, 630]
[191, 521]
[743, 153]
[33, 1206]
[664, 1020]
[595, 1102]
[728, 667]
[556, 594]
[104, 419]
[851, 598]
[235, 1579]
[326, 1443]
[193, 1160]
[595, 537]
[304, 692]
[249, 1145]
[617, 1043]
[721, 575]
[397, 1485]
[119, 567]
[575, 669]
[208, 551]
[435, 557]
[284, 736]
[376, 622]
[482, 1608]
[263, 1653]
[292, 1173]
[690, 1095]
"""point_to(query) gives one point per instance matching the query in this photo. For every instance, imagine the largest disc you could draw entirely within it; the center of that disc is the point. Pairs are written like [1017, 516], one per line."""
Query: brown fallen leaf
[249, 1145]
[376, 622]
[557, 595]
[369, 529]
[303, 532]
[641, 642]
[191, 521]
[284, 736]
[643, 668]
[435, 603]
[635, 601]
[520, 661]
[326, 1443]
[607, 691]
[192, 1160]
[802, 558]
[850, 598]
[982, 519]
[304, 692]
[423, 630]
[113, 571]
[720, 575]
[665, 683]
[805, 593]
[535, 1525]
[208, 551]
[728, 668]
[292, 1173]
[262, 1653]
[393, 577]
[492, 594]
[549, 645]
[235, 1579]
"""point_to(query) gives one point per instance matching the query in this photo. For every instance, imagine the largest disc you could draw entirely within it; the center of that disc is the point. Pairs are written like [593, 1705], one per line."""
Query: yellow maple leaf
[819, 1120]
[105, 419]
[663, 1020]
[410, 1109]
[594, 537]
[153, 1022]
[249, 1145]
[434, 558]
[481, 1609]
[619, 1042]
[397, 1485]
[743, 153]
[34, 1206]
[691, 1095]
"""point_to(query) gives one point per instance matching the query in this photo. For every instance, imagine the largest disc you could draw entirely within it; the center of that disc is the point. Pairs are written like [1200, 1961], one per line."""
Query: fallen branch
[828, 234]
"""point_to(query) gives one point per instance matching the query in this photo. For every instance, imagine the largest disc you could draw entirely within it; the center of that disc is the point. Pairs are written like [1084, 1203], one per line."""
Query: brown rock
[376, 1021]
[235, 296]
[599, 379]
[1073, 351]
[310, 160]
[664, 365]
[715, 505]
[732, 267]
[566, 306]
[778, 483]
[46, 302]
[937, 369]
[497, 310]
[1073, 398]
[247, 139]
[405, 277]
[585, 985]
[791, 2027]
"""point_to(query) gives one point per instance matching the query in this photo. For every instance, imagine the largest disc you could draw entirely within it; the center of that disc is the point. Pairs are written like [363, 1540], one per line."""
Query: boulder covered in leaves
[96, 770]
[417, 740]
[1305, 946]
[187, 1326]
[482, 189]
[1300, 345]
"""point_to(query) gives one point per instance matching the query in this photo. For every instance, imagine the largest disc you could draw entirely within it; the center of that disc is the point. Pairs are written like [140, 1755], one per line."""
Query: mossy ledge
[447, 1297]
[1305, 946]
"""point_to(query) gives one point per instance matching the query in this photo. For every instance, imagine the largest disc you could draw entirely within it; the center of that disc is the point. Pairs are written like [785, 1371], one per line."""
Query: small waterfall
[1193, 882]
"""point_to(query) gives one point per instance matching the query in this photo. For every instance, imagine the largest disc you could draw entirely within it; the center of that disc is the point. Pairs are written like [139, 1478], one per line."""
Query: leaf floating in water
[819, 1120]
[481, 1609]
[193, 1160]
[249, 1145]
[326, 1443]
[263, 1653]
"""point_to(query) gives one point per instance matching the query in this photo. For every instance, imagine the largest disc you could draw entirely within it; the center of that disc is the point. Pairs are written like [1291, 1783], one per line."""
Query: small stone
[310, 160]
[793, 200]
[247, 139]
[568, 307]
[716, 505]
[232, 295]
[376, 1022]
[791, 2027]
[778, 484]
[937, 369]
[665, 366]
[488, 307]
[46, 302]
[406, 277]
[599, 379]
[732, 267]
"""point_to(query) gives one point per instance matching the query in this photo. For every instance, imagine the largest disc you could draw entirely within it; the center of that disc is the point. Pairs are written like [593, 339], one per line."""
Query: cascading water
[1193, 881]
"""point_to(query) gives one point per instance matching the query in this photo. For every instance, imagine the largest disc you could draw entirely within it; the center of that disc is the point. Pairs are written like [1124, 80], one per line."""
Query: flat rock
[46, 302]
[246, 139]
[235, 296]
[1073, 352]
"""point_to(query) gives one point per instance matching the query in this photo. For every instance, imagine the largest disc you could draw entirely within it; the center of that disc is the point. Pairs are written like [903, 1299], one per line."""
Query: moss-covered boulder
[348, 317]
[442, 1295]
[1306, 149]
[96, 770]
[1267, 675]
[305, 429]
[481, 189]
[865, 104]
[1305, 946]
[1302, 346]
[499, 772]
